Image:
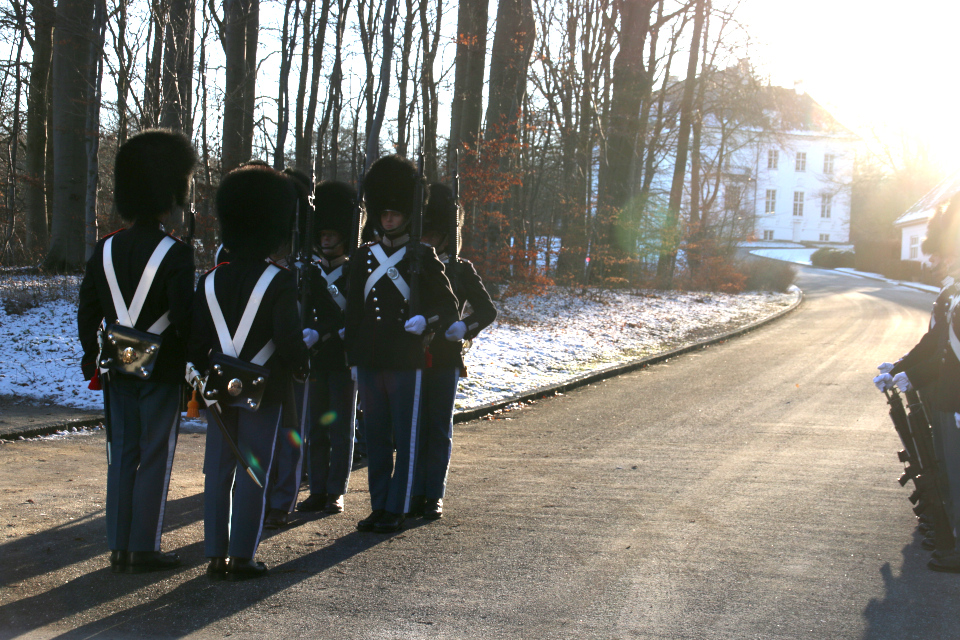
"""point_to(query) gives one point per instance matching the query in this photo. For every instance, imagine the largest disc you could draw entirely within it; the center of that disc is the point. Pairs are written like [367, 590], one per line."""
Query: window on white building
[768, 234]
[731, 198]
[771, 202]
[824, 237]
[801, 161]
[773, 158]
[828, 163]
[798, 203]
[826, 206]
[914, 247]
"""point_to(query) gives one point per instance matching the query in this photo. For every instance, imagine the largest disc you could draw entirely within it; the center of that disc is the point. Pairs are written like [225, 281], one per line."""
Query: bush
[828, 258]
[767, 275]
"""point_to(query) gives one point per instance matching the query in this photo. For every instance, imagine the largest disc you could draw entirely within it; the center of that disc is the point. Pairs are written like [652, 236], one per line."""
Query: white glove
[884, 381]
[353, 373]
[415, 325]
[342, 332]
[456, 331]
[902, 382]
[310, 337]
[885, 367]
[956, 417]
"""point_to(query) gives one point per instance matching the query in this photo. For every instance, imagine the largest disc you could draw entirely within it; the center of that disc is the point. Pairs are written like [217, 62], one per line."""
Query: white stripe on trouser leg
[266, 482]
[304, 431]
[414, 428]
[171, 447]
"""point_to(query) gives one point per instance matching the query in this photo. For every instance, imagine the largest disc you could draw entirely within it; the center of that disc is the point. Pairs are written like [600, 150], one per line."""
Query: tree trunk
[236, 146]
[373, 133]
[287, 43]
[669, 233]
[36, 150]
[124, 64]
[176, 111]
[70, 94]
[252, 33]
[92, 130]
[466, 109]
[152, 92]
[428, 92]
[406, 48]
[509, 59]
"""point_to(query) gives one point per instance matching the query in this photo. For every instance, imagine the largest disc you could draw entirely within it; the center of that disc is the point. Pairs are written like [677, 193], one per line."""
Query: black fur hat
[390, 184]
[152, 174]
[335, 202]
[302, 182]
[441, 211]
[942, 230]
[255, 206]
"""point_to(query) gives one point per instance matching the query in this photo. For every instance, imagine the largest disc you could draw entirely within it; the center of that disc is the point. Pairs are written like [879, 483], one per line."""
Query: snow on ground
[537, 341]
[797, 255]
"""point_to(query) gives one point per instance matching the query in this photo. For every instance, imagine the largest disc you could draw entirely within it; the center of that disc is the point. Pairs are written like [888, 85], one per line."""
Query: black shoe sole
[941, 568]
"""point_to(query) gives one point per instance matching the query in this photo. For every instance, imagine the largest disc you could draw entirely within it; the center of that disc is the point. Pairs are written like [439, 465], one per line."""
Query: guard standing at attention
[333, 393]
[136, 295]
[248, 343]
[396, 291]
[442, 219]
[933, 368]
[288, 457]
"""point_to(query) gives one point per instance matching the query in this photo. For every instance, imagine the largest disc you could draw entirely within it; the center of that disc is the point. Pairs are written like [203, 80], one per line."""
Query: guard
[136, 295]
[442, 220]
[245, 347]
[396, 291]
[333, 394]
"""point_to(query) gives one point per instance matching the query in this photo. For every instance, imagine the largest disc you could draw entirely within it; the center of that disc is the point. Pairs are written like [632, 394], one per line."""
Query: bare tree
[176, 109]
[36, 148]
[239, 39]
[70, 95]
[390, 12]
[466, 109]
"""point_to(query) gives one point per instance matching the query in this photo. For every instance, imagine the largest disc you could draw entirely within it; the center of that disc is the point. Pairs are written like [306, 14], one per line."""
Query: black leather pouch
[130, 351]
[233, 382]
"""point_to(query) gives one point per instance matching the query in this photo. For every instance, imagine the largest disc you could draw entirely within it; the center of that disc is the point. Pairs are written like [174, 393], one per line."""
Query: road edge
[474, 413]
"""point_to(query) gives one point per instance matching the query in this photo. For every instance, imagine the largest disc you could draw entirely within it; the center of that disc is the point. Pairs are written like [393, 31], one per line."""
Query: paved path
[747, 490]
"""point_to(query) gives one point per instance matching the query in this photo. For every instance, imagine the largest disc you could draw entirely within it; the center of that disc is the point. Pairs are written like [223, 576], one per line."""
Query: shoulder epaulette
[113, 233]
[278, 265]
[177, 238]
[214, 268]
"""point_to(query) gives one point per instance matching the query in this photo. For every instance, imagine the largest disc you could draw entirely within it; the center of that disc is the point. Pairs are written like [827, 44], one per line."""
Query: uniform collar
[395, 243]
[331, 264]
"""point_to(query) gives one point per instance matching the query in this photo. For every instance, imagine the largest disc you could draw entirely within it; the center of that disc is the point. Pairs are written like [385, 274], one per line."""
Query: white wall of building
[911, 237]
[811, 198]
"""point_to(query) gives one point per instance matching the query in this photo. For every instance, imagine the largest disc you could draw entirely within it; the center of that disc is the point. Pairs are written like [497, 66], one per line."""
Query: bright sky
[876, 65]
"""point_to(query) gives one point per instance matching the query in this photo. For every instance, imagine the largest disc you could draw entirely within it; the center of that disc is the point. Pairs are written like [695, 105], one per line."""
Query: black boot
[433, 509]
[367, 523]
[246, 569]
[389, 523]
[217, 569]
[416, 506]
[145, 561]
[118, 561]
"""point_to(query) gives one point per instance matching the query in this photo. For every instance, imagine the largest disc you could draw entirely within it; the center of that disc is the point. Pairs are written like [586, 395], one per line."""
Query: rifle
[356, 229]
[453, 231]
[416, 233]
[914, 430]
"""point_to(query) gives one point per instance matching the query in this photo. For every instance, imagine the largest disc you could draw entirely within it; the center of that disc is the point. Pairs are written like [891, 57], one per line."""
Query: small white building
[913, 223]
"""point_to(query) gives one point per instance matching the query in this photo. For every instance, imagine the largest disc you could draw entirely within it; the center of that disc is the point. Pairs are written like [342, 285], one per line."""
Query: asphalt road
[747, 490]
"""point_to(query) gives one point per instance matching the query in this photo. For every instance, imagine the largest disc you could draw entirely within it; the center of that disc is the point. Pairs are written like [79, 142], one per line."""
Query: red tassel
[429, 358]
[95, 381]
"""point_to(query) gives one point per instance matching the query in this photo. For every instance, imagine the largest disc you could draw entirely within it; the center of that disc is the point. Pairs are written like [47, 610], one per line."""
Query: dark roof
[800, 112]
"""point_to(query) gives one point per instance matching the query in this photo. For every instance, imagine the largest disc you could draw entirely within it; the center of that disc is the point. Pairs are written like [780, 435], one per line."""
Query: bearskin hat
[335, 202]
[302, 182]
[255, 206]
[390, 183]
[942, 230]
[152, 174]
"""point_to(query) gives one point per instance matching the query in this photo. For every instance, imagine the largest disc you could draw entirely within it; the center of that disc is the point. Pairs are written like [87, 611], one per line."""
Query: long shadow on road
[81, 540]
[919, 603]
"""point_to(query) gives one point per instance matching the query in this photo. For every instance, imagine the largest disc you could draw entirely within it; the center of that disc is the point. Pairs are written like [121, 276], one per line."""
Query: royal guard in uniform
[136, 295]
[933, 368]
[245, 348]
[333, 393]
[441, 230]
[396, 292]
[288, 457]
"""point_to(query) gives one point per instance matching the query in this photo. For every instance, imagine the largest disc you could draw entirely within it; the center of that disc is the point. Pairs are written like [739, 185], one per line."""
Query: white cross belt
[386, 263]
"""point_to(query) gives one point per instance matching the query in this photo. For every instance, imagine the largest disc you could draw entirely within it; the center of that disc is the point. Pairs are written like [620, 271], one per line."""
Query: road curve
[747, 490]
